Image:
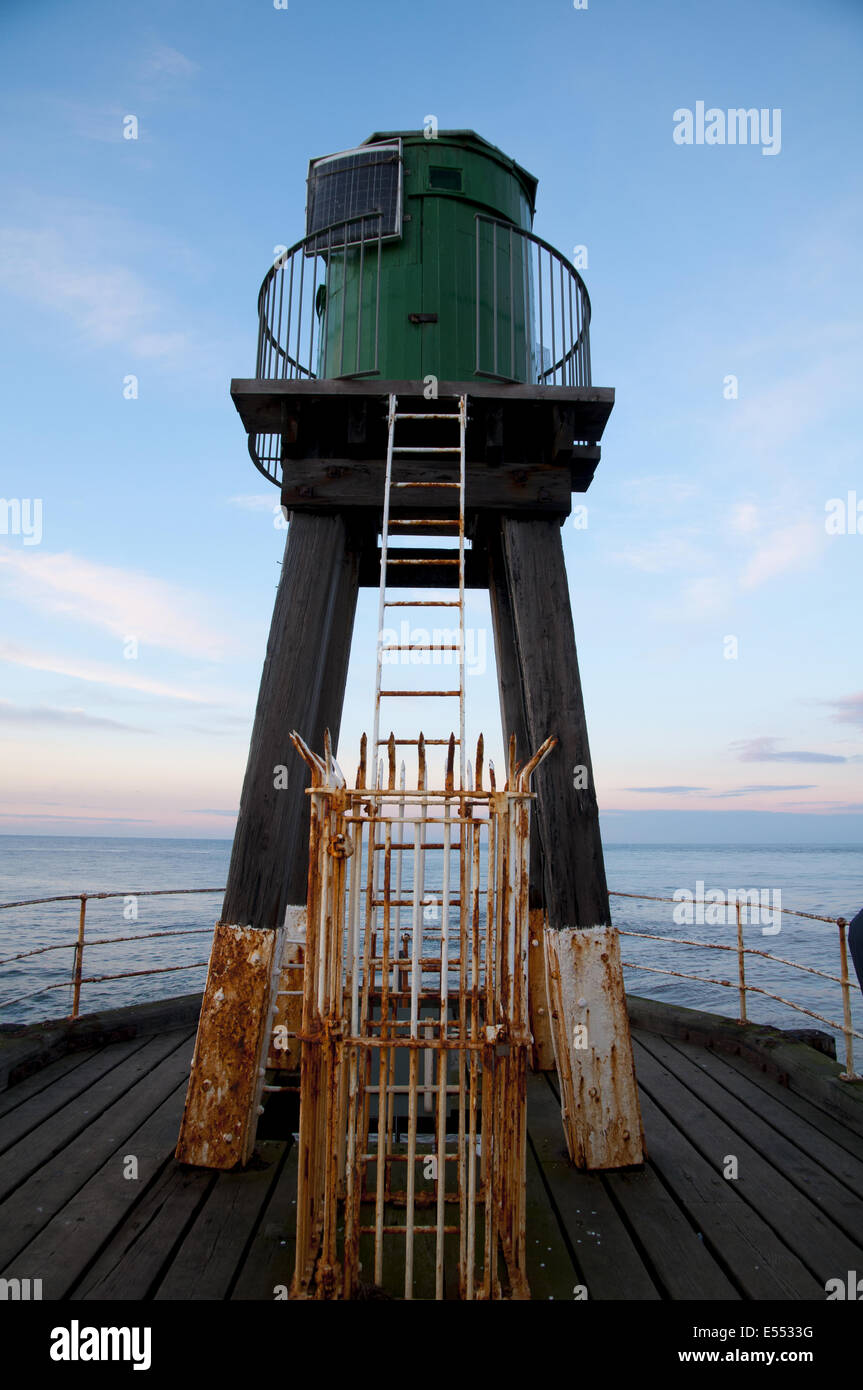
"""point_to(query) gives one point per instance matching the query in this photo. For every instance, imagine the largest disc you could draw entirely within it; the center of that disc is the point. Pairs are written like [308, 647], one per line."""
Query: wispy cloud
[257, 502]
[671, 550]
[765, 787]
[164, 61]
[671, 487]
[677, 791]
[745, 518]
[790, 411]
[848, 708]
[789, 548]
[123, 602]
[110, 304]
[100, 820]
[45, 715]
[765, 750]
[122, 675]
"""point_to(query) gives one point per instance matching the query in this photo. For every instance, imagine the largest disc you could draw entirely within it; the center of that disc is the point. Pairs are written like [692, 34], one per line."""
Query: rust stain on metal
[415, 1006]
[219, 1119]
[592, 1042]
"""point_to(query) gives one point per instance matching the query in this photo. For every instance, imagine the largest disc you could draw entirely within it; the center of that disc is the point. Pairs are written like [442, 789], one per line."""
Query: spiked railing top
[327, 773]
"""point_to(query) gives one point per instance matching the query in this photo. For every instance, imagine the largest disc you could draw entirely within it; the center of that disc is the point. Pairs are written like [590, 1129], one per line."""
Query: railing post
[849, 1073]
[478, 284]
[741, 966]
[79, 958]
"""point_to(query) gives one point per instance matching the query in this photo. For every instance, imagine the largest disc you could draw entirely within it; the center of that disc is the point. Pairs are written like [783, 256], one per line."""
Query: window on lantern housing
[440, 177]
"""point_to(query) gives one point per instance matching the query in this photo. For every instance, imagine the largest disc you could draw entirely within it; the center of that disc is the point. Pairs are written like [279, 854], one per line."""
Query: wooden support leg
[514, 722]
[599, 1096]
[510, 690]
[576, 894]
[303, 688]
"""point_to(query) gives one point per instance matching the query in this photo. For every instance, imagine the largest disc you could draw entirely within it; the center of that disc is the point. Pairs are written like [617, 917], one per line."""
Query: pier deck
[73, 1214]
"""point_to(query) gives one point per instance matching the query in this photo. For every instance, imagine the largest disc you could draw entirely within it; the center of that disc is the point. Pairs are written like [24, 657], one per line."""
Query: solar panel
[360, 189]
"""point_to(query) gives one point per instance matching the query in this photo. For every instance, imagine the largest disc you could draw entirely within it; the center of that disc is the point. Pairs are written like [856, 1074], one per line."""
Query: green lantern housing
[424, 260]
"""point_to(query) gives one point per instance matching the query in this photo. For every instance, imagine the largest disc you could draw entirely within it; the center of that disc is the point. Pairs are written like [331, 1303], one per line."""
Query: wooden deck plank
[176, 1233]
[269, 1261]
[611, 1266]
[841, 1136]
[41, 1080]
[71, 1240]
[131, 1265]
[393, 1272]
[21, 1125]
[46, 1191]
[753, 1257]
[206, 1263]
[750, 1235]
[805, 1205]
[551, 1273]
[800, 1136]
[682, 1263]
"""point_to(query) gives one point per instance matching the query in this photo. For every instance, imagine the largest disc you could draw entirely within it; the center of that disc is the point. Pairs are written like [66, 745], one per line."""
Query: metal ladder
[398, 453]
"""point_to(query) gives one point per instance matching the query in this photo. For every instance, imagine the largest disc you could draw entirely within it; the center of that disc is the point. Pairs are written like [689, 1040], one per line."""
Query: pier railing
[741, 983]
[78, 943]
[744, 986]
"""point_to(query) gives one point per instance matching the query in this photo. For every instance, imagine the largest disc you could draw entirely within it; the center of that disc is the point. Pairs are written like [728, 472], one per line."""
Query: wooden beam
[509, 686]
[302, 687]
[260, 402]
[320, 484]
[584, 977]
[436, 572]
[576, 893]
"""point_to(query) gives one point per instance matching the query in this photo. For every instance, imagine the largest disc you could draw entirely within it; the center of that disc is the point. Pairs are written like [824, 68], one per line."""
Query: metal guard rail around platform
[551, 304]
[742, 985]
[531, 311]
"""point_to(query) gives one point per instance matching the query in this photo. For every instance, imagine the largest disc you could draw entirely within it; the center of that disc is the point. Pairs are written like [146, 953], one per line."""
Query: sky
[716, 584]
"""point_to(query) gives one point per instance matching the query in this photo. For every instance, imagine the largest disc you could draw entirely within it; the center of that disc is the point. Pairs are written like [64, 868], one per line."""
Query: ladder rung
[402, 845]
[421, 521]
[458, 485]
[404, 961]
[412, 693]
[426, 448]
[431, 560]
[427, 415]
[421, 602]
[413, 742]
[422, 647]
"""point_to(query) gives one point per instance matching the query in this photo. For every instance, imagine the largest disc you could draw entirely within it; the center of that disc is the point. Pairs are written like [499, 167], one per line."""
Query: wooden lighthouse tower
[419, 293]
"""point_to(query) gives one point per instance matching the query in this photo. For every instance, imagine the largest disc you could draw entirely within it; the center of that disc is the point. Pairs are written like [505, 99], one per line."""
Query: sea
[35, 981]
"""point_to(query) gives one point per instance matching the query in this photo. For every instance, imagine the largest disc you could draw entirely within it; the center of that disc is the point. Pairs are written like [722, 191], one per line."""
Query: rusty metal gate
[414, 1033]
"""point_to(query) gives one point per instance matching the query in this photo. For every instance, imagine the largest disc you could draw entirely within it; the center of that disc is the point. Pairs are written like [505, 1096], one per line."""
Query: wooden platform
[675, 1230]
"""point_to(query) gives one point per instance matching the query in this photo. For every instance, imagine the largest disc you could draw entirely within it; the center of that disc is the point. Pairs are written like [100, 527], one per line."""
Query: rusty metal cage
[415, 1033]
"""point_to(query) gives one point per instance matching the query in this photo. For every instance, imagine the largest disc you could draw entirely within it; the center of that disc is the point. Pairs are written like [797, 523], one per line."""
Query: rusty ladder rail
[404, 452]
